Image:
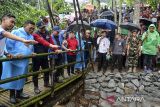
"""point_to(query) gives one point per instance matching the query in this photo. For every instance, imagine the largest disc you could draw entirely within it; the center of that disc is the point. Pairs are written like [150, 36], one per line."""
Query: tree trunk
[136, 12]
[120, 14]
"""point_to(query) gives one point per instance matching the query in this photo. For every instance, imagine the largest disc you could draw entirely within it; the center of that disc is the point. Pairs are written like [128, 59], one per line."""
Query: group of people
[26, 41]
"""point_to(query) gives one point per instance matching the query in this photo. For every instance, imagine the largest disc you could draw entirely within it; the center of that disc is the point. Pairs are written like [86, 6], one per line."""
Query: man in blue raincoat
[18, 67]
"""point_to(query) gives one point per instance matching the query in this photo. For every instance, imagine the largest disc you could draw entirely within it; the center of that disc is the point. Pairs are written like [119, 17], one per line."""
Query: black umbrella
[107, 13]
[145, 21]
[74, 27]
[129, 26]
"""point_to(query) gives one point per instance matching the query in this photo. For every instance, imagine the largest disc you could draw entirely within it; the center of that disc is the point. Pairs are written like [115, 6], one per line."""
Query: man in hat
[44, 43]
[57, 59]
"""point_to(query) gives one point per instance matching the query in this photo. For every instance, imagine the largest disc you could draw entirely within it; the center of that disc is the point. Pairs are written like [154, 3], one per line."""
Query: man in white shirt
[103, 49]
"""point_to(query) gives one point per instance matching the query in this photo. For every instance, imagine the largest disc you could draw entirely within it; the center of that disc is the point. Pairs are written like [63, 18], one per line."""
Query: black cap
[40, 24]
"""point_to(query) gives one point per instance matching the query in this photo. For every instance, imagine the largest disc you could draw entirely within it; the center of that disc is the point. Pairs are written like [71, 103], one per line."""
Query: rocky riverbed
[119, 90]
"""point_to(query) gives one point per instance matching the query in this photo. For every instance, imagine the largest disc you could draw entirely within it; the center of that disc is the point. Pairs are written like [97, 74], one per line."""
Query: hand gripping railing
[38, 72]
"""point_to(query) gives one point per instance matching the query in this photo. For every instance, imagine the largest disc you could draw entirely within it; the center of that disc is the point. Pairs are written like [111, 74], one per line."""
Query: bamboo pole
[35, 73]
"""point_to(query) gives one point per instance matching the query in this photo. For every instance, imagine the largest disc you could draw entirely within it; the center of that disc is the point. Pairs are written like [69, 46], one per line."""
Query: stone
[91, 97]
[104, 84]
[130, 85]
[91, 76]
[146, 83]
[121, 85]
[101, 79]
[141, 88]
[93, 106]
[111, 83]
[131, 76]
[146, 104]
[147, 78]
[90, 81]
[104, 103]
[133, 104]
[109, 89]
[96, 85]
[156, 84]
[129, 91]
[135, 82]
[125, 80]
[106, 73]
[99, 74]
[103, 94]
[70, 104]
[118, 75]
[107, 78]
[119, 90]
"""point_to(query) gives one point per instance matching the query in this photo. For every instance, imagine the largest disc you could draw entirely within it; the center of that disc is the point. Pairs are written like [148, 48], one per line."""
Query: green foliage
[21, 10]
[61, 7]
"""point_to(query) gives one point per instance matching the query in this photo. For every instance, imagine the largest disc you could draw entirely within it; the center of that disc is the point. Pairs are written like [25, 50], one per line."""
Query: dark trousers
[0, 70]
[102, 62]
[117, 58]
[70, 59]
[59, 71]
[43, 63]
[148, 61]
[86, 58]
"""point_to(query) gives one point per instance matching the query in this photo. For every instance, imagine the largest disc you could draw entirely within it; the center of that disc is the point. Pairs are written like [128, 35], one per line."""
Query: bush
[21, 10]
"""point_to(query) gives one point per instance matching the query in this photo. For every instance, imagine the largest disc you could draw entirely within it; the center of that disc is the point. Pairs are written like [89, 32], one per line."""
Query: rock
[135, 82]
[90, 81]
[104, 84]
[91, 97]
[118, 75]
[121, 85]
[70, 104]
[147, 79]
[146, 104]
[141, 88]
[119, 90]
[99, 74]
[131, 76]
[156, 84]
[107, 78]
[133, 104]
[109, 89]
[93, 106]
[106, 73]
[146, 83]
[96, 85]
[129, 91]
[104, 103]
[111, 83]
[125, 80]
[101, 79]
[91, 76]
[103, 94]
[130, 85]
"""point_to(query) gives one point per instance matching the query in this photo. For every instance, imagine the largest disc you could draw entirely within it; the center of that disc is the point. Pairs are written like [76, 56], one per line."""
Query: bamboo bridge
[59, 92]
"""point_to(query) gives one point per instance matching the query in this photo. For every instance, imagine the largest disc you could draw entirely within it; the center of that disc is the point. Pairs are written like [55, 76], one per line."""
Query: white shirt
[2, 41]
[104, 45]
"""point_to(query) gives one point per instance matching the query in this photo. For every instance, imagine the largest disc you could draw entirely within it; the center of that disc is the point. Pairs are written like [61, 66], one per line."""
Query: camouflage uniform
[133, 51]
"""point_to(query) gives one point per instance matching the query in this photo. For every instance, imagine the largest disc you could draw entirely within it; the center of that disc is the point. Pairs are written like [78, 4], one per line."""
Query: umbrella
[104, 24]
[145, 21]
[107, 13]
[74, 27]
[129, 26]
